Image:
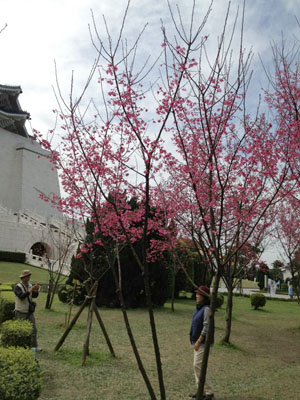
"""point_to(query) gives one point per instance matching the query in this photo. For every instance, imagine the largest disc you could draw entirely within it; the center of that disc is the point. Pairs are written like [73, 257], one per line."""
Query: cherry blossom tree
[227, 171]
[231, 169]
[113, 153]
[283, 98]
[232, 276]
[288, 236]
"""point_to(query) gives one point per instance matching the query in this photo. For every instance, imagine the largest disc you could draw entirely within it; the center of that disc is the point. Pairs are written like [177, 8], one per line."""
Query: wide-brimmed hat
[24, 273]
[204, 290]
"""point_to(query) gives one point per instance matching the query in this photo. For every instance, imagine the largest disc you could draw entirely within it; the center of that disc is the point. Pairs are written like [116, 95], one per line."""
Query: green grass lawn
[10, 272]
[246, 284]
[264, 362]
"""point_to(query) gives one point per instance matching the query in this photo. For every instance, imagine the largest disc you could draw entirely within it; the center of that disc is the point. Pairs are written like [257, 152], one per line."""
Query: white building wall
[25, 173]
[10, 167]
[18, 237]
[286, 275]
[26, 219]
[19, 231]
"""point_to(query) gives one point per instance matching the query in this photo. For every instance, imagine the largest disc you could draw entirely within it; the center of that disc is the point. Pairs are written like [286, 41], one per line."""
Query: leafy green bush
[20, 377]
[16, 333]
[220, 300]
[7, 306]
[133, 286]
[257, 300]
[185, 295]
[12, 256]
[6, 287]
[65, 294]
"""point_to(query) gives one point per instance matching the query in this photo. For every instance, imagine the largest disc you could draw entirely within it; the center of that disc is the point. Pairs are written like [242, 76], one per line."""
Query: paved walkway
[250, 291]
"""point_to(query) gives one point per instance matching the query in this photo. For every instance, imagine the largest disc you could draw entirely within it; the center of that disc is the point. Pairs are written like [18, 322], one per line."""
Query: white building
[286, 271]
[28, 224]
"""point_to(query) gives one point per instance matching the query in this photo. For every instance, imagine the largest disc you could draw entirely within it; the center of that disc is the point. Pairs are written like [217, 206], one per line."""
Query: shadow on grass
[243, 397]
[180, 308]
[178, 302]
[51, 311]
[230, 347]
[219, 328]
[74, 357]
[79, 326]
[243, 320]
[294, 330]
[262, 310]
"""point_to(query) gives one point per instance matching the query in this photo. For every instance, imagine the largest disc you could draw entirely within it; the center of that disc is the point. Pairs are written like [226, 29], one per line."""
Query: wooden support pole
[71, 304]
[104, 331]
[69, 328]
[85, 352]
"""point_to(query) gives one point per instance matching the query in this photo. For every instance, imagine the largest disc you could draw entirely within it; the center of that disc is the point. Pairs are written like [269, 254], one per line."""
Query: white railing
[41, 262]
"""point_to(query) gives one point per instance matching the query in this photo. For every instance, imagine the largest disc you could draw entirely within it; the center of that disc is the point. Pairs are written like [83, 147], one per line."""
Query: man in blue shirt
[198, 333]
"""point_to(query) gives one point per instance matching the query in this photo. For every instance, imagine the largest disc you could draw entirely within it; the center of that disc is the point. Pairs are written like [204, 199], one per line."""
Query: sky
[40, 32]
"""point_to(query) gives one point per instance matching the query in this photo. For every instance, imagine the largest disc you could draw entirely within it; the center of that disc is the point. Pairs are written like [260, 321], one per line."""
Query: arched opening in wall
[41, 250]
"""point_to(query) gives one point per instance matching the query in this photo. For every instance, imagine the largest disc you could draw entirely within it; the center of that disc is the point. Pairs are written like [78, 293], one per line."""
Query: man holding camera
[24, 306]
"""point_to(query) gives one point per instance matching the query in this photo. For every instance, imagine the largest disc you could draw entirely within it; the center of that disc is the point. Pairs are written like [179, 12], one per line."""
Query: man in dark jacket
[24, 292]
[198, 333]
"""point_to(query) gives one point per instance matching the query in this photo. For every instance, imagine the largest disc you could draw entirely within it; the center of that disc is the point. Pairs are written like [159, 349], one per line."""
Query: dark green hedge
[220, 300]
[17, 333]
[12, 256]
[7, 306]
[257, 300]
[6, 287]
[65, 294]
[94, 264]
[20, 377]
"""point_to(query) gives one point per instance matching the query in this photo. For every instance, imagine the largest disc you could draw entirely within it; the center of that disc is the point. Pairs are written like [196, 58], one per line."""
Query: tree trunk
[154, 333]
[295, 283]
[208, 337]
[173, 289]
[131, 337]
[49, 292]
[146, 277]
[54, 290]
[228, 315]
[71, 304]
[297, 295]
[89, 327]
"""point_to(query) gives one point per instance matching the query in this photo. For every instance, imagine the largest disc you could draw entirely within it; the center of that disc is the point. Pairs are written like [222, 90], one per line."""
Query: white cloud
[40, 31]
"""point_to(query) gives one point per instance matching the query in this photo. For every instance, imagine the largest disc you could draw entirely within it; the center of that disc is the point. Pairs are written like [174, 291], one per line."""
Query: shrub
[132, 278]
[220, 300]
[12, 256]
[19, 375]
[65, 294]
[133, 285]
[7, 306]
[16, 333]
[258, 300]
[185, 295]
[6, 287]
